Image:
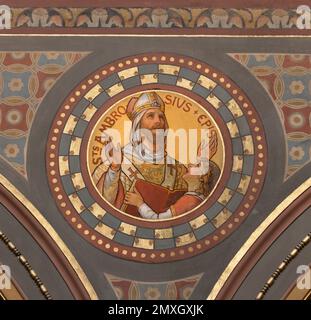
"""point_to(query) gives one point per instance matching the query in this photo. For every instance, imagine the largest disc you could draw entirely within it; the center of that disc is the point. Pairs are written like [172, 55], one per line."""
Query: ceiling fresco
[92, 208]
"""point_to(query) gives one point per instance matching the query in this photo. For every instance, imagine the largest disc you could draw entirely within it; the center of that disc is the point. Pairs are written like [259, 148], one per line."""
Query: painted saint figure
[141, 179]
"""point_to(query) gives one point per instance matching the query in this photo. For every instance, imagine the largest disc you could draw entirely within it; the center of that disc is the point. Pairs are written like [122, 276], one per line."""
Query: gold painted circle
[183, 115]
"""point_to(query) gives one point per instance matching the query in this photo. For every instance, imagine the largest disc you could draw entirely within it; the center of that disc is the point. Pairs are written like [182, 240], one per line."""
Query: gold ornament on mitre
[147, 100]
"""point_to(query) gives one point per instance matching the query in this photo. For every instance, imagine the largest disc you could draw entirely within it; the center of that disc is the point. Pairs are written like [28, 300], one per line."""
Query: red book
[157, 197]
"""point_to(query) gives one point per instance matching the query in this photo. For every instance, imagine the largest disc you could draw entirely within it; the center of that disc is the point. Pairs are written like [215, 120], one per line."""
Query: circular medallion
[185, 123]
[156, 157]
